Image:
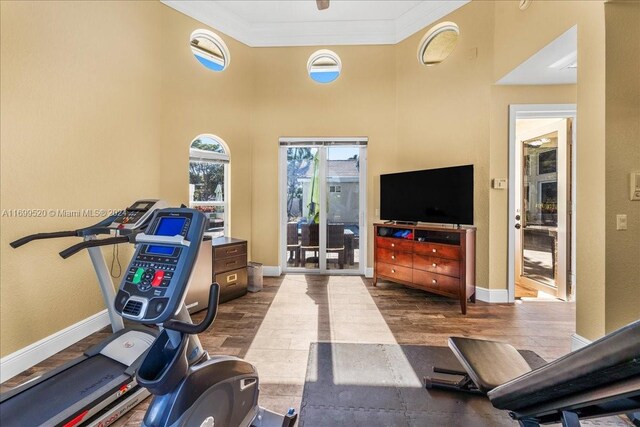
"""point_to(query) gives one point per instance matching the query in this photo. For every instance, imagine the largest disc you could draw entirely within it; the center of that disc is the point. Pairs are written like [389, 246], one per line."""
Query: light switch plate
[635, 185]
[499, 183]
[621, 222]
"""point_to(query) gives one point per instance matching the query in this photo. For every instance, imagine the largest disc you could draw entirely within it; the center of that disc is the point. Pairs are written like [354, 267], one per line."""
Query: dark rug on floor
[381, 385]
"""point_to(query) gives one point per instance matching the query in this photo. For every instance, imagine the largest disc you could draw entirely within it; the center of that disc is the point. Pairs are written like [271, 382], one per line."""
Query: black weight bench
[600, 379]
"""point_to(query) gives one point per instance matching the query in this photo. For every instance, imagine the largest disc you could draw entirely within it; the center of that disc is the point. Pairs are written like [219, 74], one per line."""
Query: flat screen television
[442, 195]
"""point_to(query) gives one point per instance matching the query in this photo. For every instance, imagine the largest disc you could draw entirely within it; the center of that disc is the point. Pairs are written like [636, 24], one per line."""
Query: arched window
[209, 181]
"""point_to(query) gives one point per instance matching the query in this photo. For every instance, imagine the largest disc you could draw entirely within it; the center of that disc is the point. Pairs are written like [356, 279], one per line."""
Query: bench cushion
[613, 358]
[488, 363]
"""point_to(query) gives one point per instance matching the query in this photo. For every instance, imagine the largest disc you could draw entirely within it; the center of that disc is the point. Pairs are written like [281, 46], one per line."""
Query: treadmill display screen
[142, 206]
[170, 226]
[159, 250]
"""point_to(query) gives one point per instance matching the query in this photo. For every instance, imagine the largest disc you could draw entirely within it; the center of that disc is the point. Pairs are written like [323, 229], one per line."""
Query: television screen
[442, 195]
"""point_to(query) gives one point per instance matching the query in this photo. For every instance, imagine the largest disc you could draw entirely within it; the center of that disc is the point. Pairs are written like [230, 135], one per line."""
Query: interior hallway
[274, 328]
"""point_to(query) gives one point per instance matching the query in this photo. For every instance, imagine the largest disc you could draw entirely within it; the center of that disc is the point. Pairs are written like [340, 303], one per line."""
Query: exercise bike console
[156, 282]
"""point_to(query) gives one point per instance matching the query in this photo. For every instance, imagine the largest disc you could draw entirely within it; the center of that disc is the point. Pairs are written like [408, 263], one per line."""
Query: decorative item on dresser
[230, 267]
[435, 259]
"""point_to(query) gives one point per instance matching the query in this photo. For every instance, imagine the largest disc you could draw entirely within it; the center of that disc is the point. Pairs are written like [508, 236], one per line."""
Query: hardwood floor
[273, 328]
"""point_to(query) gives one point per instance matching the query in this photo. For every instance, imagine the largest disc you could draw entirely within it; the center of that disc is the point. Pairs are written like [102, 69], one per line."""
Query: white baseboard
[492, 295]
[577, 342]
[271, 270]
[16, 362]
[368, 273]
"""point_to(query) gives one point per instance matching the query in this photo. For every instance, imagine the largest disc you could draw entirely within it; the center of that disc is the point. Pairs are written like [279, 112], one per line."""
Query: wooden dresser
[435, 259]
[230, 267]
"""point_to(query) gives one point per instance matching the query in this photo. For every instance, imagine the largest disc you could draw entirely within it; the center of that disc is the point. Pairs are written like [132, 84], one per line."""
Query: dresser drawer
[229, 251]
[230, 263]
[394, 271]
[390, 256]
[449, 267]
[395, 244]
[446, 284]
[435, 249]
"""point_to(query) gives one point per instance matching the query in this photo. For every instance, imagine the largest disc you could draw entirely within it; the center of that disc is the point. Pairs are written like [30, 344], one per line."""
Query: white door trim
[531, 111]
[322, 144]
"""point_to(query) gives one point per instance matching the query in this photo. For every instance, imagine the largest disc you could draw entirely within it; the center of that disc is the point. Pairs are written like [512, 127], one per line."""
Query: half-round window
[438, 43]
[209, 181]
[210, 50]
[324, 66]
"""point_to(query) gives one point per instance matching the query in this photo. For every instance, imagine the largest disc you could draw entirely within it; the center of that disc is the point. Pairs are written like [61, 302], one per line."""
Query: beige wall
[501, 98]
[80, 108]
[196, 100]
[120, 75]
[622, 157]
[517, 36]
[288, 103]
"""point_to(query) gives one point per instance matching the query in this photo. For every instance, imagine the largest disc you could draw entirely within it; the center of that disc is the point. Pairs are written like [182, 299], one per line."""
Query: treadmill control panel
[137, 214]
[158, 274]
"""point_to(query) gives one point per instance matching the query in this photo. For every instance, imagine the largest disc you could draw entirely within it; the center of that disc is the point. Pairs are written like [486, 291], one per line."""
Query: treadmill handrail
[41, 236]
[99, 228]
[72, 250]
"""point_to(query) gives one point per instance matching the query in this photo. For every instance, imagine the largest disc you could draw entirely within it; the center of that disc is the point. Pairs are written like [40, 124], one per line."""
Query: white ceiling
[261, 23]
[550, 65]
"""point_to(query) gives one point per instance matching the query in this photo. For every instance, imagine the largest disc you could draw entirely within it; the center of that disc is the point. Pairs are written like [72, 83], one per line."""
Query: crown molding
[354, 32]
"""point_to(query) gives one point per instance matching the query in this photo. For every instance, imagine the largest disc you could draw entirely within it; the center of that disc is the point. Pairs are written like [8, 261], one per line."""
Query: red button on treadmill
[157, 279]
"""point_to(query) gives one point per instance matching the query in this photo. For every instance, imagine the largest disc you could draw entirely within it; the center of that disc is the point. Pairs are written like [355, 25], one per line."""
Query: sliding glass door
[322, 205]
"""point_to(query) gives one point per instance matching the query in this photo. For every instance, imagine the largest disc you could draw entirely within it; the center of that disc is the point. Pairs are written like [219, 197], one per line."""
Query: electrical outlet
[621, 222]
[377, 213]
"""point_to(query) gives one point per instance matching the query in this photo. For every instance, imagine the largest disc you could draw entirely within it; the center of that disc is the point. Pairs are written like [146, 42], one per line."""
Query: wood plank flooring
[274, 328]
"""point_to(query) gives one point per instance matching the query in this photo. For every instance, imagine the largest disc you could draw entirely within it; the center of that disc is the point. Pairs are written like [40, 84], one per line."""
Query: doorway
[541, 207]
[322, 199]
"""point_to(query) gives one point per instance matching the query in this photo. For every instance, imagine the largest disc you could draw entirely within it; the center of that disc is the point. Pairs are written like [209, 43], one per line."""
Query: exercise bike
[214, 391]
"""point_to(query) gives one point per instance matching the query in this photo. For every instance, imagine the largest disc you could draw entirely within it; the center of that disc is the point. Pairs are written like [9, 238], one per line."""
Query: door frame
[324, 142]
[538, 111]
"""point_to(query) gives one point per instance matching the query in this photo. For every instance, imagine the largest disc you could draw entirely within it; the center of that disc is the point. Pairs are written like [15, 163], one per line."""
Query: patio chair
[310, 241]
[293, 243]
[335, 242]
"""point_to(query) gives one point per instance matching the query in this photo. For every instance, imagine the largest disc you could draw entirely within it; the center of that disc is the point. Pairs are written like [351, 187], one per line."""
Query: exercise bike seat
[488, 363]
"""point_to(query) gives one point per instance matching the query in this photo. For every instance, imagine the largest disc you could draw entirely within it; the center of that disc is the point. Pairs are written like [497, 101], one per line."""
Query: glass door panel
[322, 187]
[542, 218]
[302, 208]
[342, 190]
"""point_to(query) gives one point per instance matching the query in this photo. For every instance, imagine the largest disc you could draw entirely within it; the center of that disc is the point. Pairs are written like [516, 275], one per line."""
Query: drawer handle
[393, 257]
[232, 278]
[393, 270]
[235, 262]
[434, 265]
[434, 250]
[434, 281]
[393, 245]
[233, 251]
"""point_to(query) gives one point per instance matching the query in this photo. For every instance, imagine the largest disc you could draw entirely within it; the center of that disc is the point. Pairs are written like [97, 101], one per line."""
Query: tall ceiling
[261, 23]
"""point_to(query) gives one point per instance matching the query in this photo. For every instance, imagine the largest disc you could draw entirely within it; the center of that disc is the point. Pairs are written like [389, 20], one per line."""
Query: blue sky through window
[324, 77]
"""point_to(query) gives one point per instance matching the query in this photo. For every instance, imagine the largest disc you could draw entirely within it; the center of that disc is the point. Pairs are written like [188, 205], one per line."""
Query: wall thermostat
[635, 185]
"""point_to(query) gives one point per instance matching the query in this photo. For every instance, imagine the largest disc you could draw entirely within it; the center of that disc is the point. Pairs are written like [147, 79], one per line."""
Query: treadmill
[100, 386]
